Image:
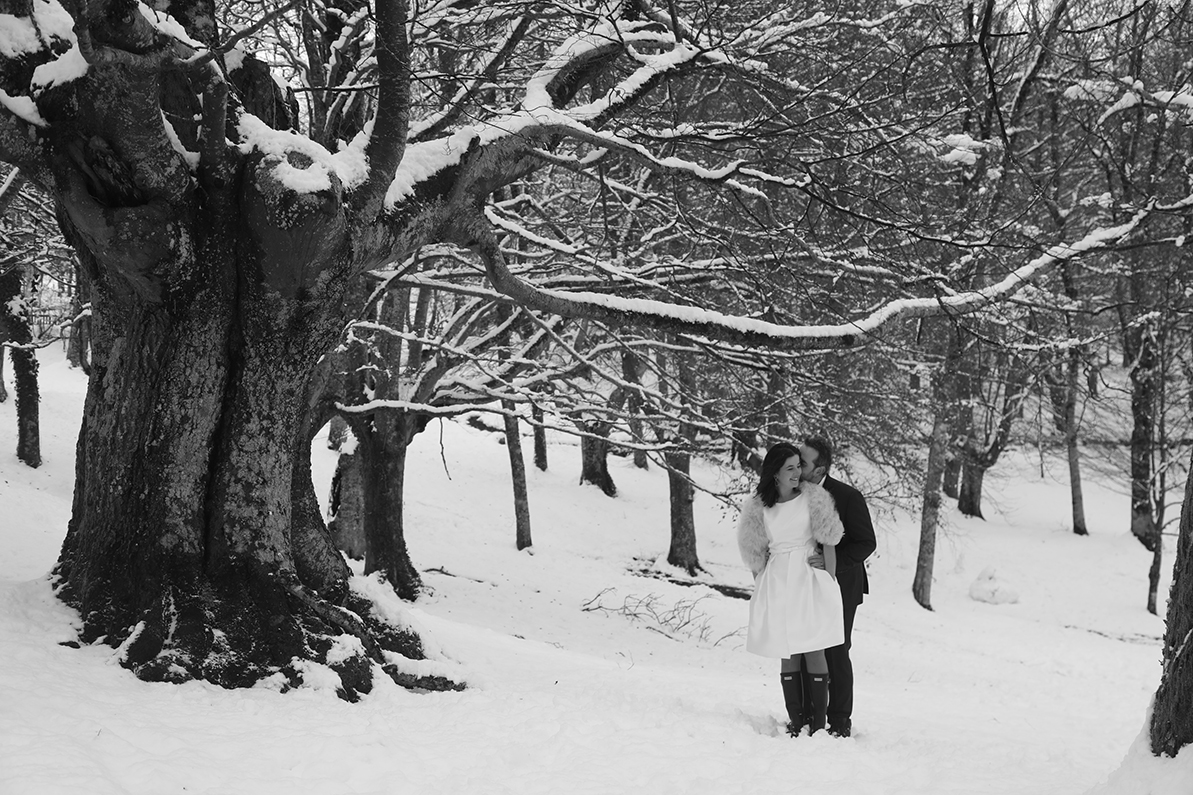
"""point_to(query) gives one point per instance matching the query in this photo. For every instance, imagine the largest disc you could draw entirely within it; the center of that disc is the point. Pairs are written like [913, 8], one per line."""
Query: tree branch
[387, 140]
[701, 323]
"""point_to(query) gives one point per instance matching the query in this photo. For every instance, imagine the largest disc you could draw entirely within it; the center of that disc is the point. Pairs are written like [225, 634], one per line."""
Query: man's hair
[824, 451]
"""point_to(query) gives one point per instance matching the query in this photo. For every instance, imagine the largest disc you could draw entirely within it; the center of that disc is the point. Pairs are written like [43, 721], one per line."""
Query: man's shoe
[839, 731]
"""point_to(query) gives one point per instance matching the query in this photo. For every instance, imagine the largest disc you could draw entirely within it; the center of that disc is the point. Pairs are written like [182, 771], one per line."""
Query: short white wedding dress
[795, 608]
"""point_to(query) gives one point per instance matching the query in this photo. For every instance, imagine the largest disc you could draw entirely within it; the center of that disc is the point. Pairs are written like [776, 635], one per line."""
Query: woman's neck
[789, 496]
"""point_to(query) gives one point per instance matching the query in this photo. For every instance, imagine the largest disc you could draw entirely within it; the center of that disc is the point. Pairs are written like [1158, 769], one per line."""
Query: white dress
[795, 608]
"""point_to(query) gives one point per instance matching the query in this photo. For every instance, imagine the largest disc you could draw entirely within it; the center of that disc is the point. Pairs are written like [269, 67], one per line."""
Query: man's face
[808, 472]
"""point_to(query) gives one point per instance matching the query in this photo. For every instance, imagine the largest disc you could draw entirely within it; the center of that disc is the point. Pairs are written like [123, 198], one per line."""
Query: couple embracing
[805, 537]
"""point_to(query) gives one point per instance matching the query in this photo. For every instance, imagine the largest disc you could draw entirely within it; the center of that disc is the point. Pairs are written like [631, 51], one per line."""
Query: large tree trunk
[1172, 712]
[192, 543]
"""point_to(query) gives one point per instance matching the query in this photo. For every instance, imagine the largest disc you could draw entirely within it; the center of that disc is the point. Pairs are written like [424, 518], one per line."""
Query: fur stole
[751, 529]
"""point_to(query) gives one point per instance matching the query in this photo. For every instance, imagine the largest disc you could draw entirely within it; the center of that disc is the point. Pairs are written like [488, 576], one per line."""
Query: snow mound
[988, 588]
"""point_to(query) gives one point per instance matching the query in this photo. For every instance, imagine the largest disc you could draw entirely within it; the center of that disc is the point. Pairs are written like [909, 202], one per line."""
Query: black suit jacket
[858, 542]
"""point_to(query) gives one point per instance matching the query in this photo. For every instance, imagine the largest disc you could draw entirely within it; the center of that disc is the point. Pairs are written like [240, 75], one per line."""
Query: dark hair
[824, 451]
[775, 458]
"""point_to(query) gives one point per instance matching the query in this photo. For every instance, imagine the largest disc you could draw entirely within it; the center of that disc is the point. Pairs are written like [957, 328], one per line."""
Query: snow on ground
[1047, 694]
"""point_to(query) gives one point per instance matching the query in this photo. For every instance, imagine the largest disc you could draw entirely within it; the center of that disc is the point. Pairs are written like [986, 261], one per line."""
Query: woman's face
[787, 478]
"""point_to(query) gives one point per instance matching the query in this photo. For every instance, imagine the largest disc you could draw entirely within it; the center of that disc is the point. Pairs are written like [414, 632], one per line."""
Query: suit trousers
[840, 671]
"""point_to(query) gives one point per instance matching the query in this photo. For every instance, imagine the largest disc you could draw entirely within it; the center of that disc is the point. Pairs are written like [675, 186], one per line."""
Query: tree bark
[682, 552]
[969, 499]
[78, 346]
[195, 543]
[540, 438]
[1072, 449]
[1172, 712]
[384, 439]
[1143, 401]
[951, 479]
[921, 587]
[513, 444]
[594, 457]
[14, 329]
[346, 507]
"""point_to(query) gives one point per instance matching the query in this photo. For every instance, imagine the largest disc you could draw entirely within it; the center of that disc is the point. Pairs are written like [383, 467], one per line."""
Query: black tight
[814, 660]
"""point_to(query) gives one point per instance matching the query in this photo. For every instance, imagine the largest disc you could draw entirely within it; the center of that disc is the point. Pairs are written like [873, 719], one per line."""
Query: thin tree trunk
[78, 347]
[1172, 711]
[24, 373]
[682, 552]
[15, 329]
[630, 365]
[346, 507]
[1072, 449]
[540, 438]
[384, 441]
[594, 457]
[951, 480]
[513, 443]
[969, 499]
[337, 433]
[938, 443]
[1143, 400]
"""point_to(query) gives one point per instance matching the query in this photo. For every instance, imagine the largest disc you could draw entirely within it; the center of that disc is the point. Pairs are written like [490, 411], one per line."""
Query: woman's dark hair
[775, 458]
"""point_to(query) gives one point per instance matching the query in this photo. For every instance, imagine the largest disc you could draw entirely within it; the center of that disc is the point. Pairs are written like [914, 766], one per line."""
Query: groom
[816, 456]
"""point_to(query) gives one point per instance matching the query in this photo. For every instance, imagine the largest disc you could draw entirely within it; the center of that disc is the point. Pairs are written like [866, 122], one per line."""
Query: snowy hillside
[1041, 686]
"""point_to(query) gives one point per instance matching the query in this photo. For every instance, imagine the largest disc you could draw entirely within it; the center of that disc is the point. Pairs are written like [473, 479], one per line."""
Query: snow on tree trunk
[1172, 712]
[195, 543]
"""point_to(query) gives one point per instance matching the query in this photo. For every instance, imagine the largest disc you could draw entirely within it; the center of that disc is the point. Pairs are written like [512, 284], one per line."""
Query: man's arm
[859, 542]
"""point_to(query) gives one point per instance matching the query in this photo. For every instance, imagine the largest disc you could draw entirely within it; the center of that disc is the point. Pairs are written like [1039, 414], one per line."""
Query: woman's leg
[816, 661]
[817, 685]
[793, 692]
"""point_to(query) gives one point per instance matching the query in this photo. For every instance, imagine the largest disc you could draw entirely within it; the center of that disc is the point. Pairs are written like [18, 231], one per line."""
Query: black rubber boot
[793, 698]
[818, 695]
